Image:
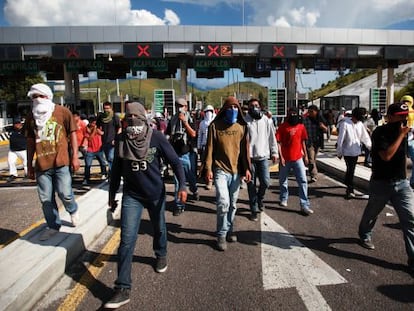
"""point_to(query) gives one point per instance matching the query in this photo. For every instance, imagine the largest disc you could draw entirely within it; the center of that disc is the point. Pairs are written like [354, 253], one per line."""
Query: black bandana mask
[255, 113]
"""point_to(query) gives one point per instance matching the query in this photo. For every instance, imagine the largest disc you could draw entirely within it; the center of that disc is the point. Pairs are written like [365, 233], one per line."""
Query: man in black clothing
[18, 146]
[137, 160]
[110, 124]
[389, 179]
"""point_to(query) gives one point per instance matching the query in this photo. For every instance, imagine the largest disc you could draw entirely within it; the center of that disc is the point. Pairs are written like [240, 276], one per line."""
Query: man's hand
[248, 176]
[182, 196]
[181, 116]
[75, 163]
[274, 159]
[113, 204]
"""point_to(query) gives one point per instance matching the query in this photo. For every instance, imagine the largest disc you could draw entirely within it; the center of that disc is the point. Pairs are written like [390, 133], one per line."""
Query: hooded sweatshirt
[261, 137]
[351, 135]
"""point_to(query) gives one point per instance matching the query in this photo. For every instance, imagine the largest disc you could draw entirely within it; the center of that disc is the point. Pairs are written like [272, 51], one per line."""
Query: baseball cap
[209, 107]
[407, 98]
[397, 109]
[17, 120]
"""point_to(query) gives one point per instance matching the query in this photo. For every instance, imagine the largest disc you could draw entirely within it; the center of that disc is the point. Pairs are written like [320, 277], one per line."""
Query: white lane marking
[288, 263]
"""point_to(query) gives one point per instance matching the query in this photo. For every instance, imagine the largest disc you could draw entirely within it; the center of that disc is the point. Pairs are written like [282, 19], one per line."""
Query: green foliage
[13, 90]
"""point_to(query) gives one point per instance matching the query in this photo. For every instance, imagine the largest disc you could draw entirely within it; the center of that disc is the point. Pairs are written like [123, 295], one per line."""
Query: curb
[40, 264]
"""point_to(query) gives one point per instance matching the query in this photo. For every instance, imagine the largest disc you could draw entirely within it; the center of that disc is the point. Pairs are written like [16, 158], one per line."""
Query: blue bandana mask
[231, 115]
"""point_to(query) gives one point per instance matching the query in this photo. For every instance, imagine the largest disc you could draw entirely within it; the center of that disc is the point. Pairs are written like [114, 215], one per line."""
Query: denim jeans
[109, 151]
[89, 156]
[300, 174]
[131, 212]
[259, 170]
[401, 196]
[57, 179]
[411, 155]
[351, 163]
[187, 160]
[227, 193]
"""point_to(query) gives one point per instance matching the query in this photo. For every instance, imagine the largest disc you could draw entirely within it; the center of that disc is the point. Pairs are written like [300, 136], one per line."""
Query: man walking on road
[50, 130]
[389, 179]
[227, 160]
[262, 147]
[138, 161]
[17, 149]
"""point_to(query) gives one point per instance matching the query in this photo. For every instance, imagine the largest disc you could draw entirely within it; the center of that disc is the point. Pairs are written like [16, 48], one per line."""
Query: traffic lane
[332, 233]
[200, 277]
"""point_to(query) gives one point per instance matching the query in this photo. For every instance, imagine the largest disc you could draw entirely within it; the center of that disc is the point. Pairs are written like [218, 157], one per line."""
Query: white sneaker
[283, 203]
[75, 217]
[306, 211]
[47, 234]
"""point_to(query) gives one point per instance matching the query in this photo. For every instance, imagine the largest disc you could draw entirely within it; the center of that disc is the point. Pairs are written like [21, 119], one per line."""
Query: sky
[372, 14]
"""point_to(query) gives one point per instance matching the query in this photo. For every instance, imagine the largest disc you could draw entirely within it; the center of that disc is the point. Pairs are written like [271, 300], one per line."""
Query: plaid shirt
[315, 133]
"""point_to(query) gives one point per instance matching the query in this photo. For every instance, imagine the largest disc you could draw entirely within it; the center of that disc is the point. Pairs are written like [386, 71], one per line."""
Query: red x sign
[278, 51]
[143, 50]
[72, 52]
[213, 50]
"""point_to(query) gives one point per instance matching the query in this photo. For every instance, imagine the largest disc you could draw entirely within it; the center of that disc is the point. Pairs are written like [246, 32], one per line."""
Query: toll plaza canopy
[62, 52]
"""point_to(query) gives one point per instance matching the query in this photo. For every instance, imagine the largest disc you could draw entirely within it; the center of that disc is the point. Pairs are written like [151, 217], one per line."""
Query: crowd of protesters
[223, 146]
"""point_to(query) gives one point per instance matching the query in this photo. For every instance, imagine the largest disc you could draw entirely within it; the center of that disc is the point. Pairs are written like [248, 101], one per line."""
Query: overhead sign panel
[343, 52]
[12, 52]
[27, 67]
[73, 52]
[84, 65]
[154, 64]
[143, 50]
[213, 50]
[277, 51]
[205, 64]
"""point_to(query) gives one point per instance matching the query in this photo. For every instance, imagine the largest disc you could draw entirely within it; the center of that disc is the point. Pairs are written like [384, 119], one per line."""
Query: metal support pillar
[390, 85]
[379, 76]
[290, 84]
[183, 81]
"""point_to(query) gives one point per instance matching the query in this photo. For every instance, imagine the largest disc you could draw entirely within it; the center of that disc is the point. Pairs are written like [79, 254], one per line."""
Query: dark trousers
[351, 163]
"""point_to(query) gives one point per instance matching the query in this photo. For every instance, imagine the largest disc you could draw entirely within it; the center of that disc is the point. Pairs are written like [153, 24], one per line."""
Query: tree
[14, 89]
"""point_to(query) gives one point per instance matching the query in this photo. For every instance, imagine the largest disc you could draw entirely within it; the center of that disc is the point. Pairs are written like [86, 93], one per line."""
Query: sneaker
[260, 206]
[221, 243]
[254, 216]
[209, 185]
[178, 211]
[85, 182]
[47, 234]
[120, 298]
[161, 264]
[75, 218]
[196, 196]
[306, 211]
[11, 178]
[231, 237]
[367, 243]
[350, 196]
[104, 177]
[314, 179]
[283, 203]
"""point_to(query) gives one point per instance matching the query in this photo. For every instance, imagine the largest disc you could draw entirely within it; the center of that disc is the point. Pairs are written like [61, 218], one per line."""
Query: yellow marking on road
[88, 278]
[22, 233]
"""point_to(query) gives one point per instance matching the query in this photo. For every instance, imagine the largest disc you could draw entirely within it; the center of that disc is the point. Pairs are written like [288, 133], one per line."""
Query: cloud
[333, 13]
[91, 12]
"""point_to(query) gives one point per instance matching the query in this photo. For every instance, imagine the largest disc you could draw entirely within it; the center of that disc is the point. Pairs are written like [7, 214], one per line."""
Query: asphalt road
[285, 261]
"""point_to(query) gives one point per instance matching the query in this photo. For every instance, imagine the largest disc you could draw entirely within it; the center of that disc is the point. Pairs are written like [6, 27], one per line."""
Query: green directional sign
[82, 65]
[153, 64]
[19, 67]
[378, 99]
[163, 99]
[276, 102]
[209, 64]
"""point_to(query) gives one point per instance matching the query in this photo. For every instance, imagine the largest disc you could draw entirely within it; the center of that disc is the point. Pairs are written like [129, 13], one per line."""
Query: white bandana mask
[42, 111]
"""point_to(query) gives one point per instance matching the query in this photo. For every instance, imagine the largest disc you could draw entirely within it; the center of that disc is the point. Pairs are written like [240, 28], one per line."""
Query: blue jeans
[300, 174]
[187, 160]
[411, 155]
[259, 170]
[109, 151]
[131, 212]
[53, 180]
[89, 156]
[227, 193]
[401, 196]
